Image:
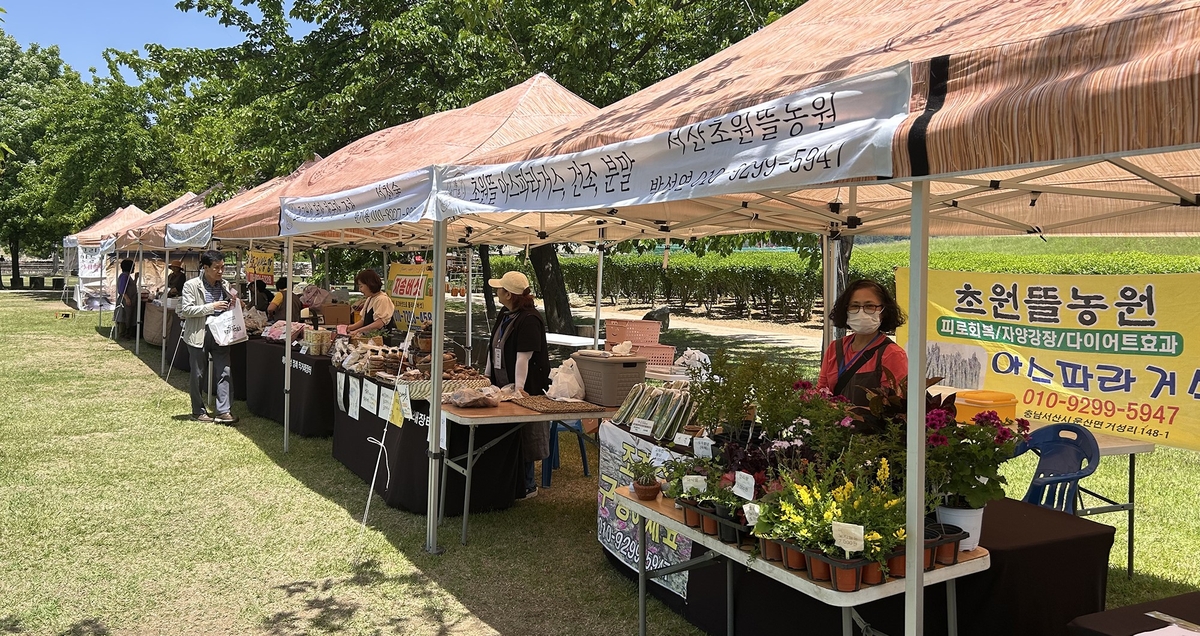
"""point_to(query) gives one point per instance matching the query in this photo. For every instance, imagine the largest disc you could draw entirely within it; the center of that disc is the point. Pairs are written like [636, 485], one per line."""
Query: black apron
[369, 317]
[853, 385]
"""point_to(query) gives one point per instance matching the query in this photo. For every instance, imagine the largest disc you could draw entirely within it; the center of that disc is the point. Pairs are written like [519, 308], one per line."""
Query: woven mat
[543, 404]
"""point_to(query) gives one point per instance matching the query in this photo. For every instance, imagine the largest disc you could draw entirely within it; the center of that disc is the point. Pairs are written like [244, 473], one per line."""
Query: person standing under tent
[207, 295]
[517, 355]
[378, 310]
[262, 296]
[176, 279]
[276, 310]
[858, 362]
[125, 314]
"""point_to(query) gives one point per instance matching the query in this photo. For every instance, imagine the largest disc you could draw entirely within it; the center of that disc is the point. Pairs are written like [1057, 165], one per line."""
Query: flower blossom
[1003, 434]
[937, 419]
[938, 439]
[802, 385]
[990, 418]
[846, 422]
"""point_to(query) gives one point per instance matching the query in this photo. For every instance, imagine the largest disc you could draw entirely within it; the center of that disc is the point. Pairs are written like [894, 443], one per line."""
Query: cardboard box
[336, 314]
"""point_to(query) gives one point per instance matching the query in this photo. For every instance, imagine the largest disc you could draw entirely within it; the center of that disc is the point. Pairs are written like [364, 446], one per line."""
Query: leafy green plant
[963, 460]
[643, 471]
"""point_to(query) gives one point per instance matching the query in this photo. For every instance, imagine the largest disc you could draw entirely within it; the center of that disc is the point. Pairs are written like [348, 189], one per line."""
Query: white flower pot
[969, 519]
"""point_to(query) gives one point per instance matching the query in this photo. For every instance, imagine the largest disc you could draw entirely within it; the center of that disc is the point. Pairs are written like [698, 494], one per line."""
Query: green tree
[29, 78]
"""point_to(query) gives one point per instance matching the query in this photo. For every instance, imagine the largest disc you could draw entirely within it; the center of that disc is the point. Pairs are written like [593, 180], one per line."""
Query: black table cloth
[1047, 567]
[1130, 620]
[495, 479]
[180, 359]
[312, 396]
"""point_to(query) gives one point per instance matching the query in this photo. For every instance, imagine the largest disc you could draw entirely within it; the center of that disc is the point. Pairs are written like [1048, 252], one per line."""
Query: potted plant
[963, 465]
[645, 479]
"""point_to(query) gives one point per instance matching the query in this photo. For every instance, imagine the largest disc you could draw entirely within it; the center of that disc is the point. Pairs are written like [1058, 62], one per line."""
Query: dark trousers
[199, 361]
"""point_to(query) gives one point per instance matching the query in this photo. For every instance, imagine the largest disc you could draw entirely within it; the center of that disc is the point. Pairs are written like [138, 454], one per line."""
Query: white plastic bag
[229, 327]
[565, 382]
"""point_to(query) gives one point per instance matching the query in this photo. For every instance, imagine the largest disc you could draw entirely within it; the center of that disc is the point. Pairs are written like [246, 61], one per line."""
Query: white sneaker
[530, 494]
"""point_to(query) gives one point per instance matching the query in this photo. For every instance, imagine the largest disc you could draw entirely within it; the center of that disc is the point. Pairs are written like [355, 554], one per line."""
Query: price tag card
[743, 485]
[341, 391]
[370, 397]
[683, 439]
[354, 397]
[444, 442]
[703, 446]
[641, 426]
[751, 510]
[385, 402]
[694, 482]
[404, 400]
[848, 536]
[304, 350]
[659, 455]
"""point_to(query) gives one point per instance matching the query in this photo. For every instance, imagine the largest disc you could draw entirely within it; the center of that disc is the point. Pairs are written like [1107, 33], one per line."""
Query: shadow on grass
[1142, 588]
[11, 625]
[86, 627]
[740, 346]
[319, 608]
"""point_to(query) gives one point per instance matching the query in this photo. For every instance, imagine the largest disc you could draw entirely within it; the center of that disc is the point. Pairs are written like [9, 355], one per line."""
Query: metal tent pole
[328, 277]
[829, 283]
[470, 256]
[918, 280]
[287, 351]
[137, 334]
[599, 291]
[162, 370]
[435, 373]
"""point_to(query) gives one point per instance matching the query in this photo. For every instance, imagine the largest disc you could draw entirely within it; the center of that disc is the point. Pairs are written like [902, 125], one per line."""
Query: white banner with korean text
[400, 199]
[195, 234]
[840, 130]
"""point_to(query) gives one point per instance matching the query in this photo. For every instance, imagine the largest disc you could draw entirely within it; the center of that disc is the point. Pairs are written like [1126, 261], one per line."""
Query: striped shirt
[213, 293]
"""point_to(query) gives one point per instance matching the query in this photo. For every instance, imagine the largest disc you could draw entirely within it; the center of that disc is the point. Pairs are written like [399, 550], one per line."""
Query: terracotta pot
[691, 517]
[947, 553]
[818, 569]
[771, 551]
[872, 574]
[794, 558]
[646, 492]
[708, 521]
[896, 565]
[846, 575]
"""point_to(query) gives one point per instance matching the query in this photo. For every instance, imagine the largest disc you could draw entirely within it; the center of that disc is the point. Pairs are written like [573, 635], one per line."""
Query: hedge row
[784, 284]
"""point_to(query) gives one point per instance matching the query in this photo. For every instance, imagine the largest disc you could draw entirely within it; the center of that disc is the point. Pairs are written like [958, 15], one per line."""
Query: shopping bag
[228, 327]
[566, 382]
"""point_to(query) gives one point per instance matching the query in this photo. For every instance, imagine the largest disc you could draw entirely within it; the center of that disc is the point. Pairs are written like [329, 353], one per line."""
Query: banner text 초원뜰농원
[1105, 352]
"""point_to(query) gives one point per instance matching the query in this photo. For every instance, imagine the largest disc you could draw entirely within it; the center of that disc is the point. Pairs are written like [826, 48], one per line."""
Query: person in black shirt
[517, 355]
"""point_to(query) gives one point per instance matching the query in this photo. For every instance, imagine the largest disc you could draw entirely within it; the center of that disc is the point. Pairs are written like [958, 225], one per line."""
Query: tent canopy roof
[1092, 103]
[110, 225]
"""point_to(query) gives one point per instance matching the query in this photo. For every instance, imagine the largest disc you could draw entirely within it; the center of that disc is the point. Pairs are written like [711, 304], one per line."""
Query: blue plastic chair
[1063, 449]
[551, 463]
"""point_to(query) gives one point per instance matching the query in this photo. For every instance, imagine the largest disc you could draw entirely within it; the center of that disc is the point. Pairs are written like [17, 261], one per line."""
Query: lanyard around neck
[849, 362]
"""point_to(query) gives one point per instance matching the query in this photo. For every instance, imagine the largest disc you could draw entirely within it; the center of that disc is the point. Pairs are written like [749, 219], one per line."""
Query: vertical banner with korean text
[617, 525]
[1106, 352]
[411, 289]
[261, 266]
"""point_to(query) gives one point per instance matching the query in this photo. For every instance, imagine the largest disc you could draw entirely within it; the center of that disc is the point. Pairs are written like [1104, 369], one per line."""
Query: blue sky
[83, 29]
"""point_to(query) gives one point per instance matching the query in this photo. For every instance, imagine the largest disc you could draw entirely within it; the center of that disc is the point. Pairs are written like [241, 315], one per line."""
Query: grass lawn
[121, 516]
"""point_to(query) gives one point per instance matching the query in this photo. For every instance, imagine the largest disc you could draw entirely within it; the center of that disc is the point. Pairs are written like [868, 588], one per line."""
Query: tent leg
[918, 262]
[162, 370]
[435, 371]
[468, 340]
[287, 351]
[137, 335]
[599, 292]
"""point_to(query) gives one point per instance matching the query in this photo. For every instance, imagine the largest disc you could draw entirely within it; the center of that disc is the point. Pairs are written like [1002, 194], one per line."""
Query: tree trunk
[485, 267]
[14, 250]
[554, 291]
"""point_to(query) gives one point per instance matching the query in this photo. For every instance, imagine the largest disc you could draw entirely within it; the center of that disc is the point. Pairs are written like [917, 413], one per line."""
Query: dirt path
[799, 335]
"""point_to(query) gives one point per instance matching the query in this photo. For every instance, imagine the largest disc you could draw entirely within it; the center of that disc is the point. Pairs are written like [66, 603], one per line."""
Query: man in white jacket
[203, 296]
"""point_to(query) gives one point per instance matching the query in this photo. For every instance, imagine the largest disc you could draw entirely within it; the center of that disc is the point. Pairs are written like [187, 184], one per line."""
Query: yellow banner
[411, 289]
[1105, 352]
[260, 266]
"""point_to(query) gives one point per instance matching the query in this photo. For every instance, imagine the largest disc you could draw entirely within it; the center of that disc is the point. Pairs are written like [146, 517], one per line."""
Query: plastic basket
[635, 331]
[607, 381]
[971, 403]
[658, 355]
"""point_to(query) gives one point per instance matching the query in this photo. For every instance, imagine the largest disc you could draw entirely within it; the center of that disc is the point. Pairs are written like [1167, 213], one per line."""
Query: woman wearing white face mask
[857, 362]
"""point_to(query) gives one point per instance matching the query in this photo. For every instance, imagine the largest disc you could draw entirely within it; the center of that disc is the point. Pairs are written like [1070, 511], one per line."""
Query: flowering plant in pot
[963, 465]
[873, 504]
